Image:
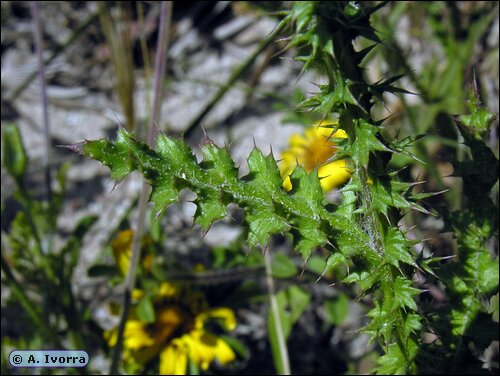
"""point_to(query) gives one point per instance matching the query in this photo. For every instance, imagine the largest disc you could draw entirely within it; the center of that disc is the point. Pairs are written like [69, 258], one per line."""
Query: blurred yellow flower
[122, 251]
[198, 345]
[313, 151]
[178, 334]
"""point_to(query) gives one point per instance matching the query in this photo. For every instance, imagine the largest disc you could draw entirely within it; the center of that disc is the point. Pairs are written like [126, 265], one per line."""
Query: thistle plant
[361, 232]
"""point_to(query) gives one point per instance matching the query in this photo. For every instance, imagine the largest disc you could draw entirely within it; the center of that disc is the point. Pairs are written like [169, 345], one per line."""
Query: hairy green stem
[373, 222]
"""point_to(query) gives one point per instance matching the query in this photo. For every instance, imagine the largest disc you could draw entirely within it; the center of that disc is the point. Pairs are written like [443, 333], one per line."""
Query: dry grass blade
[118, 36]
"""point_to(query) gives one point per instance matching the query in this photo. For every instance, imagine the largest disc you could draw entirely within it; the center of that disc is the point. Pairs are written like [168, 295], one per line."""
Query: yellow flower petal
[287, 183]
[339, 134]
[135, 335]
[168, 290]
[205, 347]
[297, 141]
[333, 174]
[223, 352]
[226, 315]
[137, 294]
[173, 360]
[111, 336]
[198, 352]
[177, 310]
[325, 123]
[288, 163]
[122, 250]
[313, 152]
[217, 347]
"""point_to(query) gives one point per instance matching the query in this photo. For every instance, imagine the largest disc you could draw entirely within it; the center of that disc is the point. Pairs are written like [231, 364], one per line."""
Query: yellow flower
[179, 333]
[122, 251]
[313, 151]
[200, 346]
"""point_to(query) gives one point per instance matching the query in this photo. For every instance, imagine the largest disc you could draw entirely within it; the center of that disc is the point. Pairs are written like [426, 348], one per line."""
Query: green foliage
[145, 310]
[337, 309]
[268, 207]
[467, 325]
[13, 153]
[283, 267]
[46, 271]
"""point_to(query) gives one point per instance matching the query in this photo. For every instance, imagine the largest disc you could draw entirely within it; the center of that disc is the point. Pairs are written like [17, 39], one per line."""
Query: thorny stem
[283, 351]
[372, 222]
[164, 36]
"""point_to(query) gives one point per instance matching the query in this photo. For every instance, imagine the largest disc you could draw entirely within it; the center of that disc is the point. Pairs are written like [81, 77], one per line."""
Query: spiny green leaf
[262, 224]
[333, 261]
[363, 140]
[164, 192]
[209, 209]
[220, 166]
[479, 119]
[269, 208]
[412, 324]
[463, 317]
[483, 271]
[307, 235]
[301, 14]
[404, 293]
[306, 190]
[365, 280]
[264, 174]
[383, 323]
[388, 193]
[395, 360]
[396, 248]
[115, 155]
